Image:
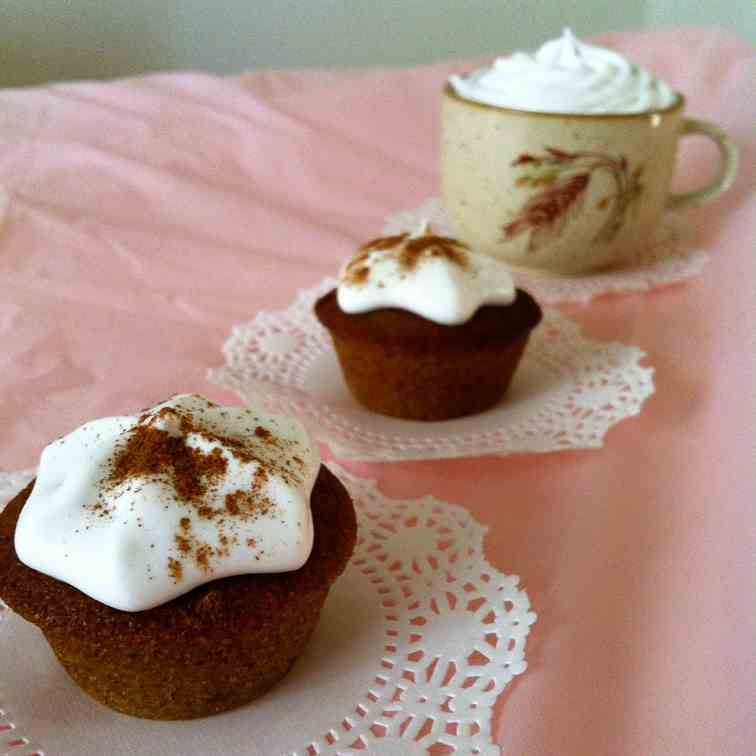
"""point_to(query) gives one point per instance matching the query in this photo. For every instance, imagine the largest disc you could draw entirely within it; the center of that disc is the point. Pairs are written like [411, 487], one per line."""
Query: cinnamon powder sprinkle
[245, 503]
[408, 252]
[183, 544]
[384, 242]
[263, 433]
[175, 570]
[152, 451]
[149, 451]
[432, 246]
[202, 557]
[232, 505]
[359, 275]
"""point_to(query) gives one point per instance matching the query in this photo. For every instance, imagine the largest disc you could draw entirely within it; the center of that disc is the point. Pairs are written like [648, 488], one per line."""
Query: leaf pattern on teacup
[562, 179]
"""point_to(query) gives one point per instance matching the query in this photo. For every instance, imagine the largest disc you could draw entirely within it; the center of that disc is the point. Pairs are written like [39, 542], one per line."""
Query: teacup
[566, 193]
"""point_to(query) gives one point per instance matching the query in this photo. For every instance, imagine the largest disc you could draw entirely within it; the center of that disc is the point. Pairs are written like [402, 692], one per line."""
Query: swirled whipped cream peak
[437, 277]
[137, 510]
[566, 76]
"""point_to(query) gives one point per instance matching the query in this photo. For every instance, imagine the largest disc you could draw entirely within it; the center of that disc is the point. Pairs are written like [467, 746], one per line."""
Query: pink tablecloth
[144, 217]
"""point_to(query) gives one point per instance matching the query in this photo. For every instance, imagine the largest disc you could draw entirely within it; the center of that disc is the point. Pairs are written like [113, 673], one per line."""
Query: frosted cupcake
[425, 328]
[177, 561]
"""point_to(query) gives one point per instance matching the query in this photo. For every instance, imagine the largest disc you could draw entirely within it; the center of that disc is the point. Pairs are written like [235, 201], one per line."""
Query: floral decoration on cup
[565, 178]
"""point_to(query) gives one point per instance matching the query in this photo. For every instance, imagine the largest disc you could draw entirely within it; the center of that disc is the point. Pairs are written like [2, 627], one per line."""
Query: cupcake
[177, 561]
[425, 328]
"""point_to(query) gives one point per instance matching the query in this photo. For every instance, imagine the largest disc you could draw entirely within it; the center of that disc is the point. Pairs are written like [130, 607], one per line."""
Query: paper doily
[671, 258]
[566, 394]
[416, 641]
[11, 483]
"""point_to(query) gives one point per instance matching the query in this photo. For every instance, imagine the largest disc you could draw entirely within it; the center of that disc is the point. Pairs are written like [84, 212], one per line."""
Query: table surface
[144, 217]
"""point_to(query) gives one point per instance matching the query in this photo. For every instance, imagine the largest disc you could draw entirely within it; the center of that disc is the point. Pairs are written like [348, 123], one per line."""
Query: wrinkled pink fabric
[144, 217]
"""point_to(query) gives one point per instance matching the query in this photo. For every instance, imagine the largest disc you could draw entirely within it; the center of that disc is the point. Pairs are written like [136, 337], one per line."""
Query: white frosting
[135, 542]
[435, 287]
[566, 75]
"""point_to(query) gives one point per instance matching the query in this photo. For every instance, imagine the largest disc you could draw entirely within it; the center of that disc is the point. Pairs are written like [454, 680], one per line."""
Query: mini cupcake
[425, 328]
[177, 562]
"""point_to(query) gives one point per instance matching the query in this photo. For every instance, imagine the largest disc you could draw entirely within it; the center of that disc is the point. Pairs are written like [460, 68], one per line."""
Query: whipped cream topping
[135, 511]
[566, 76]
[436, 277]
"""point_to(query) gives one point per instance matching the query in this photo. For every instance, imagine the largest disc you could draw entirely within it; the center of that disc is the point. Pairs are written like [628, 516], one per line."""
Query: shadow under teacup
[566, 193]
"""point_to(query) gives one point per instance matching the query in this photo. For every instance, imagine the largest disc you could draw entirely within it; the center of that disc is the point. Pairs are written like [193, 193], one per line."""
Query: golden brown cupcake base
[215, 648]
[399, 364]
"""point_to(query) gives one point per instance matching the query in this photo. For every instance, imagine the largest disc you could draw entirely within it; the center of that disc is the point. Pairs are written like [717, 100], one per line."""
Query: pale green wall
[737, 15]
[42, 40]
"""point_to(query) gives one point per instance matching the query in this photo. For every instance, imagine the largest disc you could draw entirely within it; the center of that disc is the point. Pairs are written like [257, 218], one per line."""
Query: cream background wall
[43, 40]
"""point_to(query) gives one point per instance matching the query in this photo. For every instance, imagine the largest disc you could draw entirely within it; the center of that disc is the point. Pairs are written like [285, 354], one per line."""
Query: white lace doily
[11, 483]
[671, 258]
[416, 641]
[567, 391]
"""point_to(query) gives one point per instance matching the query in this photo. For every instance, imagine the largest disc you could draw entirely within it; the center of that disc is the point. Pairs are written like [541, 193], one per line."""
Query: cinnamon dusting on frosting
[359, 274]
[150, 451]
[436, 277]
[157, 447]
[175, 570]
[408, 251]
[383, 242]
[431, 245]
[178, 495]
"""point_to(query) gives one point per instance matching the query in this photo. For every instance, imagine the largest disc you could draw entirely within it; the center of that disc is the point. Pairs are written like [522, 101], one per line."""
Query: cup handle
[728, 154]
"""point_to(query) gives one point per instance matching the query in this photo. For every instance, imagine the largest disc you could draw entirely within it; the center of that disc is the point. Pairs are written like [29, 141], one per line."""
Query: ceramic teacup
[566, 193]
